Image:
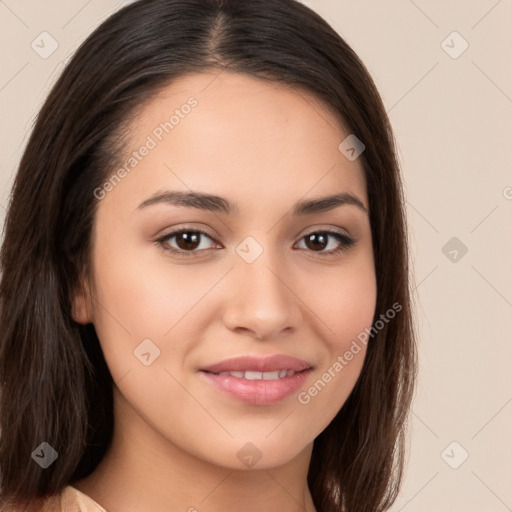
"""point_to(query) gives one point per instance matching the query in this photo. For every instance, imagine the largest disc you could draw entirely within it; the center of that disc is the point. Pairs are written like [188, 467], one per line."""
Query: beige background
[452, 116]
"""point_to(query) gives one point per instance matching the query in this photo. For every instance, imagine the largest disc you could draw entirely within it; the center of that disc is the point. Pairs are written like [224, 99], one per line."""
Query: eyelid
[182, 229]
[330, 229]
[210, 233]
[346, 240]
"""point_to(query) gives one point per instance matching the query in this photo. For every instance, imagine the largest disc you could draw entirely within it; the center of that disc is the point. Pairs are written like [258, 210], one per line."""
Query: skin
[264, 146]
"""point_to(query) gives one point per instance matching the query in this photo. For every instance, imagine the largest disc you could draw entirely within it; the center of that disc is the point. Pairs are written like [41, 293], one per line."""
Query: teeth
[252, 375]
[236, 374]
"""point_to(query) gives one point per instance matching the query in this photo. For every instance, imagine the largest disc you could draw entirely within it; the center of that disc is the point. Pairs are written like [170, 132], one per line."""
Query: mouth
[255, 375]
[256, 380]
[255, 365]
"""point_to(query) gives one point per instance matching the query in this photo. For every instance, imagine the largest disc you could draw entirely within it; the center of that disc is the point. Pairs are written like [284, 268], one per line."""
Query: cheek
[139, 297]
[352, 309]
[346, 309]
[350, 313]
[344, 300]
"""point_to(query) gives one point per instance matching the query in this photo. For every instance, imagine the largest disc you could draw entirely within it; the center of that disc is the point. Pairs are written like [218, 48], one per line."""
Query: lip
[259, 364]
[260, 391]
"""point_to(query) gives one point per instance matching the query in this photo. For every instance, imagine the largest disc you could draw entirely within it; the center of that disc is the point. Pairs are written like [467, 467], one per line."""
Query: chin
[259, 453]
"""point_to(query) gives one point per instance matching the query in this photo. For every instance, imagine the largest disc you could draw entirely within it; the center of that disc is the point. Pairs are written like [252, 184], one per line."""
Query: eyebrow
[215, 203]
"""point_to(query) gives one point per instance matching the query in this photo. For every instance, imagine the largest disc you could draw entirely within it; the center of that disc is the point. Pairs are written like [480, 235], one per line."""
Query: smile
[253, 375]
[257, 388]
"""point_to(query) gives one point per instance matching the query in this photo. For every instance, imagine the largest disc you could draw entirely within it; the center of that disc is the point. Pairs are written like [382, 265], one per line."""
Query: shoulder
[73, 500]
[68, 500]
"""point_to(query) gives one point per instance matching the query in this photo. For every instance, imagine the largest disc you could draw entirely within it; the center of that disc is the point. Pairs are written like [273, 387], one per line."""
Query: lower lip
[258, 391]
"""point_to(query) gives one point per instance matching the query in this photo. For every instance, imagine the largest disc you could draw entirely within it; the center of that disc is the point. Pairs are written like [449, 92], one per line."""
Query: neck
[142, 471]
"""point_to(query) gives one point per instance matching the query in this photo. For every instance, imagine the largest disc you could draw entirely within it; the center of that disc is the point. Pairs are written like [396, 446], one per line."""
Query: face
[230, 321]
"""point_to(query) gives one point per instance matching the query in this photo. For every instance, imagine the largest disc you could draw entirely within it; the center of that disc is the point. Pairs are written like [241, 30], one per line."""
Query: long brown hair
[55, 384]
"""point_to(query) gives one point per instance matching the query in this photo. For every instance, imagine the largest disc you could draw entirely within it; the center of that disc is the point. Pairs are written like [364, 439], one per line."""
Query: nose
[261, 301]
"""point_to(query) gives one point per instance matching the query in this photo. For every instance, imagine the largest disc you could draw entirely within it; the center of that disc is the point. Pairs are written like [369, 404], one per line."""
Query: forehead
[223, 132]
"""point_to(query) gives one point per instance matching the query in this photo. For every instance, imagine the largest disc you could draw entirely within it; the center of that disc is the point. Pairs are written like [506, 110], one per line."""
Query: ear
[81, 309]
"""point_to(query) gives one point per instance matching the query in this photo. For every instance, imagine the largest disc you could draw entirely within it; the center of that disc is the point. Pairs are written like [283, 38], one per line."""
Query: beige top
[71, 500]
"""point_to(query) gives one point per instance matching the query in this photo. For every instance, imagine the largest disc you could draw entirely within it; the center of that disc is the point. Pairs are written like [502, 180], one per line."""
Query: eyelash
[345, 242]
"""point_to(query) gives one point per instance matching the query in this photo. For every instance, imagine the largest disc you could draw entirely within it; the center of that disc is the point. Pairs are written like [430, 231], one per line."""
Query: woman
[205, 290]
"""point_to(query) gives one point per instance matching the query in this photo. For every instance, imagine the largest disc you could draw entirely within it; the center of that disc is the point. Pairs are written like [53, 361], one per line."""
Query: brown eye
[319, 240]
[188, 241]
[316, 241]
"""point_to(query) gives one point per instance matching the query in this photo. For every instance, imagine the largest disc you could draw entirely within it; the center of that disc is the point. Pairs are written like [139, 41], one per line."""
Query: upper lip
[259, 364]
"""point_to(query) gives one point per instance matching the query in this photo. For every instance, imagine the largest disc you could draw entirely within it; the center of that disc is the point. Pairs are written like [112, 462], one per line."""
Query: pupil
[190, 239]
[313, 236]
